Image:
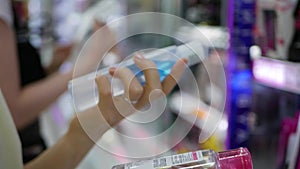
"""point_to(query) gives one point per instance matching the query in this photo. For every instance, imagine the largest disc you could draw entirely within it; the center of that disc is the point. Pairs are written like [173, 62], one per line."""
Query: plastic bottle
[84, 89]
[203, 159]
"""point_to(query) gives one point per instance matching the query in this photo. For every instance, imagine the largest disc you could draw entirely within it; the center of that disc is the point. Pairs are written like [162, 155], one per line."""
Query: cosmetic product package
[203, 159]
[273, 31]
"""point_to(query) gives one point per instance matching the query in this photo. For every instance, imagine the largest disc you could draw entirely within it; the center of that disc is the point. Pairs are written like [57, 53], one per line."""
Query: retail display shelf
[295, 152]
[193, 109]
[211, 36]
[277, 74]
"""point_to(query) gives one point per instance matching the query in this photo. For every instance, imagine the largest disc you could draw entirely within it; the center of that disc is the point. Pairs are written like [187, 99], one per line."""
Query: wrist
[77, 137]
[76, 144]
[87, 127]
[66, 69]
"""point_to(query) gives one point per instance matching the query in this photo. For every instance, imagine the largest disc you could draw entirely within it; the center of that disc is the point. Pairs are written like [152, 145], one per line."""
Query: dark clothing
[31, 70]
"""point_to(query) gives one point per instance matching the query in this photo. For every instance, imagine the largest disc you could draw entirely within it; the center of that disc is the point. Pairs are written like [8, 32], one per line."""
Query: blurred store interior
[248, 83]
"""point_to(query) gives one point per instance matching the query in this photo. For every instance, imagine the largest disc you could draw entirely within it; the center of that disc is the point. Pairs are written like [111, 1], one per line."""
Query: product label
[168, 161]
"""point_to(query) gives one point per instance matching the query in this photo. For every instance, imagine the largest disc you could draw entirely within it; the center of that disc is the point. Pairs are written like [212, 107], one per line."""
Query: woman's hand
[135, 96]
[110, 110]
[60, 55]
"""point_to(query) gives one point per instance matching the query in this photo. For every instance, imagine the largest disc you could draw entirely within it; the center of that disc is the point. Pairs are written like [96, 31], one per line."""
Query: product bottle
[84, 89]
[204, 159]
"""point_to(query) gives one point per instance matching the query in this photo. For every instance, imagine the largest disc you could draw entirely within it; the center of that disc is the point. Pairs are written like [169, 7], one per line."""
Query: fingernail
[139, 56]
[112, 70]
[185, 60]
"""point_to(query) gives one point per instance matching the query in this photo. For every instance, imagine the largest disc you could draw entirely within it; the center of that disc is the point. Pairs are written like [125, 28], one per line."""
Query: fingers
[150, 71]
[106, 104]
[104, 90]
[133, 88]
[152, 86]
[172, 79]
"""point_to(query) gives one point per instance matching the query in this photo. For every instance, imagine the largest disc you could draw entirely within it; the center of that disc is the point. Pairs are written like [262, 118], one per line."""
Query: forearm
[84, 131]
[65, 154]
[25, 103]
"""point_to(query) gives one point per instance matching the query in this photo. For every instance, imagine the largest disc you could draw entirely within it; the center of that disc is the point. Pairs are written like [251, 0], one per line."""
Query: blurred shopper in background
[28, 87]
[89, 126]
[23, 79]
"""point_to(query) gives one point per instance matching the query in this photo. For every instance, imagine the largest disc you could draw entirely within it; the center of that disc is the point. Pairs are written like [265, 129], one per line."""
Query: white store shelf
[196, 112]
[211, 36]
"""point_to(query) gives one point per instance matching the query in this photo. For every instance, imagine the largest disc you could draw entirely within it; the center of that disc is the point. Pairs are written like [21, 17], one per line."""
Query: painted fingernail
[185, 60]
[112, 70]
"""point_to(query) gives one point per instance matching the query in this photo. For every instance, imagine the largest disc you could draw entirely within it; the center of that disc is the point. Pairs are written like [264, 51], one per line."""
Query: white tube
[84, 90]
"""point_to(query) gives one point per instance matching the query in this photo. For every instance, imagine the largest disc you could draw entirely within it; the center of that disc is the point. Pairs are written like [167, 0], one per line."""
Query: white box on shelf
[274, 26]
